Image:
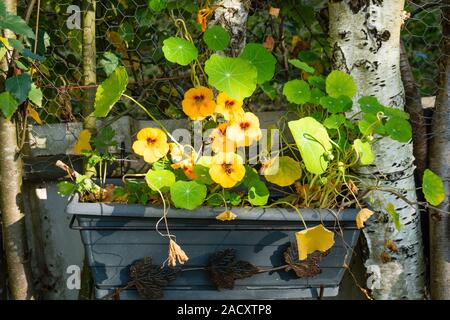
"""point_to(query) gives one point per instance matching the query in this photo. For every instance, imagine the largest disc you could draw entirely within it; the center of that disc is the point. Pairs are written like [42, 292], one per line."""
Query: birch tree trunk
[11, 198]
[365, 39]
[440, 164]
[232, 15]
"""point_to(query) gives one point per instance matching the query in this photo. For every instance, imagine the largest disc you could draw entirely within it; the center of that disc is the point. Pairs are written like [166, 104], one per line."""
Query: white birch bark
[232, 15]
[365, 39]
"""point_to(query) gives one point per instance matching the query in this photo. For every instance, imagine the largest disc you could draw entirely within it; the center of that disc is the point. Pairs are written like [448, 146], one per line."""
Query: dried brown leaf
[306, 268]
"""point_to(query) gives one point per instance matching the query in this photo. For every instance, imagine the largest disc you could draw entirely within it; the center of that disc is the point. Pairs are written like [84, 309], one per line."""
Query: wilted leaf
[149, 279]
[223, 269]
[82, 142]
[313, 239]
[303, 269]
[34, 114]
[226, 216]
[362, 216]
[282, 171]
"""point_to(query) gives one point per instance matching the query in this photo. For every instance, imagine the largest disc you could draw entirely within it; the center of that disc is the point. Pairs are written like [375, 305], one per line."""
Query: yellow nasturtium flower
[220, 143]
[202, 17]
[198, 103]
[152, 144]
[245, 131]
[187, 165]
[227, 169]
[228, 107]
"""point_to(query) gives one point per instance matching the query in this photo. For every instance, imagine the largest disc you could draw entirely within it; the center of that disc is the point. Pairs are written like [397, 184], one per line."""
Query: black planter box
[116, 235]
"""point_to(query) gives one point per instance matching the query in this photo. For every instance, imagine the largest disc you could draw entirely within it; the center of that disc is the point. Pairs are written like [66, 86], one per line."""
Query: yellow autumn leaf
[34, 114]
[362, 216]
[82, 142]
[313, 239]
[226, 216]
[282, 171]
[5, 42]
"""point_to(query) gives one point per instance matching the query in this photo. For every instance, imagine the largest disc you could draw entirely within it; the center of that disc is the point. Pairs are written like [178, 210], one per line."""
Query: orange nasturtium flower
[187, 165]
[152, 144]
[245, 131]
[220, 143]
[202, 17]
[227, 169]
[198, 103]
[228, 107]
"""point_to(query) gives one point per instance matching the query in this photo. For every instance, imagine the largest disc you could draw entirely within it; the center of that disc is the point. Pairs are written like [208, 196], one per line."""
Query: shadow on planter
[116, 235]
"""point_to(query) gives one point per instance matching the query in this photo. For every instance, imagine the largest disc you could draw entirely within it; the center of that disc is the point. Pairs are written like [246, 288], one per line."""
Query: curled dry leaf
[149, 279]
[362, 216]
[390, 244]
[352, 186]
[313, 239]
[303, 269]
[223, 269]
[385, 257]
[269, 43]
[274, 11]
[226, 216]
[176, 253]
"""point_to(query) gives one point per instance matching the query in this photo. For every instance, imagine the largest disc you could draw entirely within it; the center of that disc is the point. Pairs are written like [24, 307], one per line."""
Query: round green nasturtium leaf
[157, 5]
[433, 188]
[297, 91]
[364, 150]
[301, 65]
[258, 193]
[313, 142]
[110, 91]
[283, 171]
[159, 179]
[399, 129]
[336, 105]
[339, 83]
[216, 38]
[317, 82]
[370, 123]
[261, 59]
[187, 194]
[179, 51]
[334, 121]
[316, 94]
[235, 76]
[370, 105]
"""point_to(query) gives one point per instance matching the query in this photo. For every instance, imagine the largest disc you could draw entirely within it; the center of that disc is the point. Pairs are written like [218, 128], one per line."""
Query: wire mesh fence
[131, 33]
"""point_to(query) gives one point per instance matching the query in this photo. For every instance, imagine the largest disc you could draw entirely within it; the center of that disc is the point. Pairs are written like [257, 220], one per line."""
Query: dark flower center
[229, 104]
[151, 141]
[227, 167]
[245, 125]
[199, 98]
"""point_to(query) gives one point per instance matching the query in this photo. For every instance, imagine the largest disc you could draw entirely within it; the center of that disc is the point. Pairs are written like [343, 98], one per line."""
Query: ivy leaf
[313, 239]
[179, 51]
[8, 104]
[339, 83]
[35, 95]
[159, 179]
[110, 91]
[187, 194]
[297, 91]
[235, 76]
[336, 105]
[258, 194]
[433, 188]
[157, 5]
[216, 38]
[334, 121]
[399, 129]
[19, 86]
[282, 171]
[313, 142]
[301, 65]
[364, 151]
[394, 215]
[261, 59]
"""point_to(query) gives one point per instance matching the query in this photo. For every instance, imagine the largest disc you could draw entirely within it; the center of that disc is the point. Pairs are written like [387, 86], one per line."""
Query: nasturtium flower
[187, 165]
[245, 130]
[198, 103]
[176, 152]
[220, 143]
[230, 108]
[202, 17]
[152, 144]
[227, 169]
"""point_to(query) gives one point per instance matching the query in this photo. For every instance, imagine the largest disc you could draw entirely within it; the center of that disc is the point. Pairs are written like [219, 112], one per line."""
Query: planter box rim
[75, 207]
